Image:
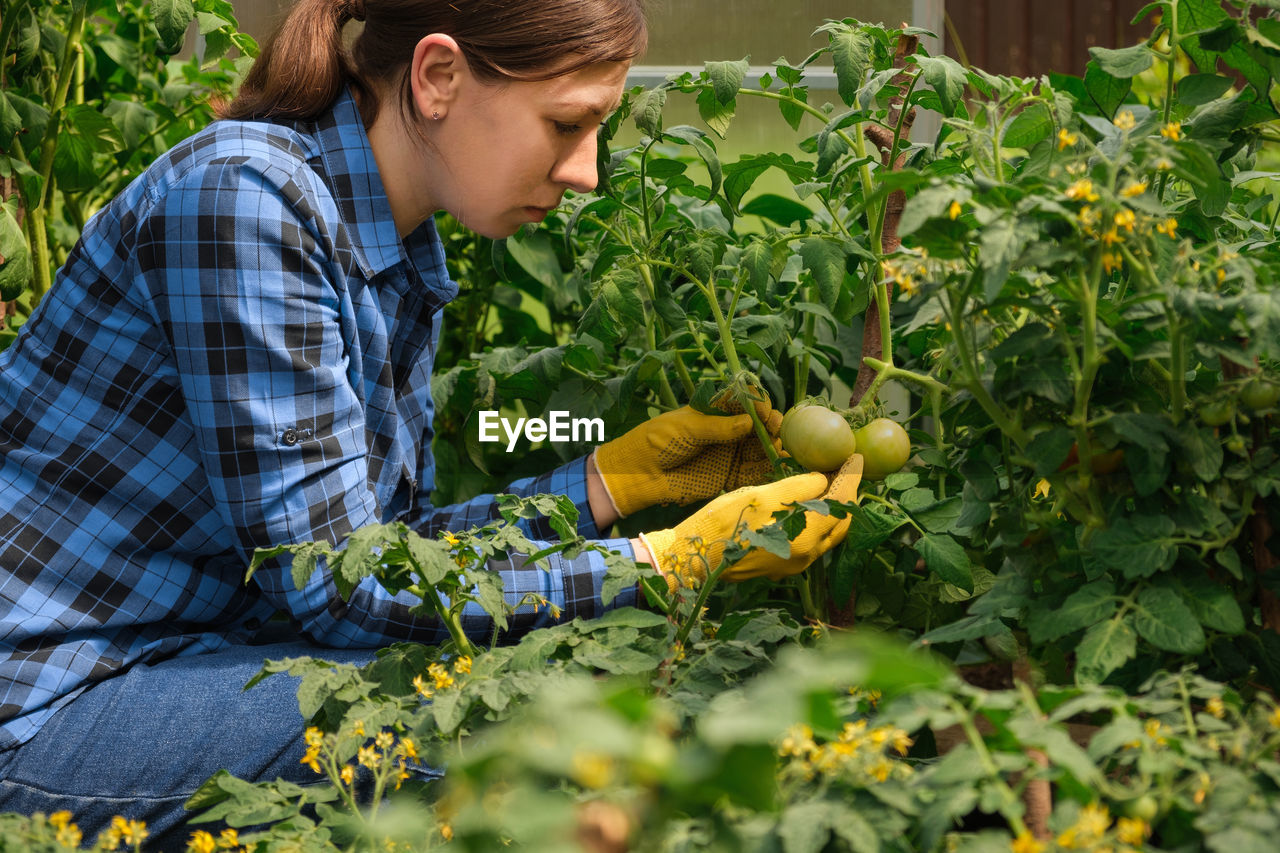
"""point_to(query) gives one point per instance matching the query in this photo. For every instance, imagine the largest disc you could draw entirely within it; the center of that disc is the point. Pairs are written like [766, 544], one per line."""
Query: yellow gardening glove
[696, 545]
[685, 456]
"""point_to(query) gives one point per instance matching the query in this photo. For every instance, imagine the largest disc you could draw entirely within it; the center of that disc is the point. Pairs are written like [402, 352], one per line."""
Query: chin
[494, 230]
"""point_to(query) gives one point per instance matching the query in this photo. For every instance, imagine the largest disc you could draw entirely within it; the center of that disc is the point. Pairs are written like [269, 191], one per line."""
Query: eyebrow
[594, 108]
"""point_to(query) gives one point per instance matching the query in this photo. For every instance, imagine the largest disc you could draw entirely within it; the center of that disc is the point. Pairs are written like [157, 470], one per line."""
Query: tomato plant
[92, 92]
[1070, 282]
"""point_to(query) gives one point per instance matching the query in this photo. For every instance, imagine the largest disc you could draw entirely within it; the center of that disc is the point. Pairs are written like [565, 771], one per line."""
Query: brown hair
[303, 65]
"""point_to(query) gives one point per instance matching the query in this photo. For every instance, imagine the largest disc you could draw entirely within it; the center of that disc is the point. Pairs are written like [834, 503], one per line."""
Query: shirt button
[290, 437]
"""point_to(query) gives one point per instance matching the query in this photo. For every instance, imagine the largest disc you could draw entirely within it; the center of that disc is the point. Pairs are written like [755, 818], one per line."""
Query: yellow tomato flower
[1172, 131]
[955, 210]
[1066, 139]
[1203, 790]
[1026, 843]
[347, 774]
[1042, 489]
[798, 741]
[1164, 164]
[880, 770]
[1089, 218]
[313, 736]
[901, 741]
[1125, 219]
[201, 842]
[229, 838]
[357, 728]
[451, 540]
[369, 757]
[1274, 719]
[849, 733]
[1082, 190]
[109, 839]
[130, 831]
[446, 832]
[310, 759]
[592, 769]
[1126, 121]
[1153, 729]
[1132, 831]
[1112, 261]
[1134, 189]
[67, 834]
[1091, 825]
[441, 675]
[1168, 228]
[384, 739]
[401, 774]
[462, 665]
[409, 748]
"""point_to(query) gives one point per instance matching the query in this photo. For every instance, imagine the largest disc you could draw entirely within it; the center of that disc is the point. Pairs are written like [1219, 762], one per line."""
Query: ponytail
[303, 65]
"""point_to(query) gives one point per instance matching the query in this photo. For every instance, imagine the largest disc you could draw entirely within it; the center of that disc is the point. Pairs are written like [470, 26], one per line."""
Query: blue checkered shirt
[237, 353]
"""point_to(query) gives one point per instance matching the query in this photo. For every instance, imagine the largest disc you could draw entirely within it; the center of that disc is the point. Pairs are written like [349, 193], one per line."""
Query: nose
[577, 169]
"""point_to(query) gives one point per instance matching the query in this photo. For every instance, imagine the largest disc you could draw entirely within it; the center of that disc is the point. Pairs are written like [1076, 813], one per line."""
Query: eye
[566, 128]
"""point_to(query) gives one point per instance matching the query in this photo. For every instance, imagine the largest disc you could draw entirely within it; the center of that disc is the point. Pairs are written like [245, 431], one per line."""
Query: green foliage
[92, 93]
[1087, 267]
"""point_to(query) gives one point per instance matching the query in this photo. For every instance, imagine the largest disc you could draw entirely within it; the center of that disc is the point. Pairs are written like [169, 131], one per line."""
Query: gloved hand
[685, 456]
[696, 545]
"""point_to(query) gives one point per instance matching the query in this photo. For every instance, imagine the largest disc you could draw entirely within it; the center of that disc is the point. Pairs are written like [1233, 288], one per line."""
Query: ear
[436, 74]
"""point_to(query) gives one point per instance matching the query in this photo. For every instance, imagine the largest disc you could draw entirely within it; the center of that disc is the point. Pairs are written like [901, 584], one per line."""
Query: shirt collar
[362, 202]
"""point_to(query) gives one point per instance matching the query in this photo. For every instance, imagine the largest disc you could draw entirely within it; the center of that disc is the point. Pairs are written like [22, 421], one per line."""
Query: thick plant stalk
[887, 142]
[1037, 797]
[872, 334]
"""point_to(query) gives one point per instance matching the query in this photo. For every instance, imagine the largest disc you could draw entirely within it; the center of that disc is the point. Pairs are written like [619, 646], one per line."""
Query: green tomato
[1145, 807]
[1258, 394]
[791, 413]
[884, 446]
[1217, 412]
[1236, 444]
[816, 437]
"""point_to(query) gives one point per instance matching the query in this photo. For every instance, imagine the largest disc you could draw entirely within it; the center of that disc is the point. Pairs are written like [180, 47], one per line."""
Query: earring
[435, 115]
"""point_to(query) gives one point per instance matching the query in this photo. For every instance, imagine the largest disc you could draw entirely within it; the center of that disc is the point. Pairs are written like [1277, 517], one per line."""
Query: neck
[401, 160]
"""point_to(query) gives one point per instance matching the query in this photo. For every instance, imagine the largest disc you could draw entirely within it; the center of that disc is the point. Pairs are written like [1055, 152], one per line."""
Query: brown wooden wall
[1027, 38]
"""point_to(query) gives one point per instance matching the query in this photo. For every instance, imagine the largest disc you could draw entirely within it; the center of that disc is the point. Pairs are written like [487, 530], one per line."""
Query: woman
[238, 353]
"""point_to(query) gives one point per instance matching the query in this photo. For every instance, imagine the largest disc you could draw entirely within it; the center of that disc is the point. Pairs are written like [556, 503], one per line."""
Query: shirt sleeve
[238, 264]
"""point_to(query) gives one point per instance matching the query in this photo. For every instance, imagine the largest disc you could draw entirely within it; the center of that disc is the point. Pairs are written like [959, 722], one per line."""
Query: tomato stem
[451, 619]
[766, 440]
[886, 371]
[1011, 805]
[807, 604]
[704, 592]
[665, 392]
[972, 380]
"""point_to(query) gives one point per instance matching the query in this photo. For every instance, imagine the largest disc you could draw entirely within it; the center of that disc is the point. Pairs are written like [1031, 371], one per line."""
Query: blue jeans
[139, 744]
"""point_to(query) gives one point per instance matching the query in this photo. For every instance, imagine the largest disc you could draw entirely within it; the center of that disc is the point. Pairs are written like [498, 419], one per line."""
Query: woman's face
[508, 152]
